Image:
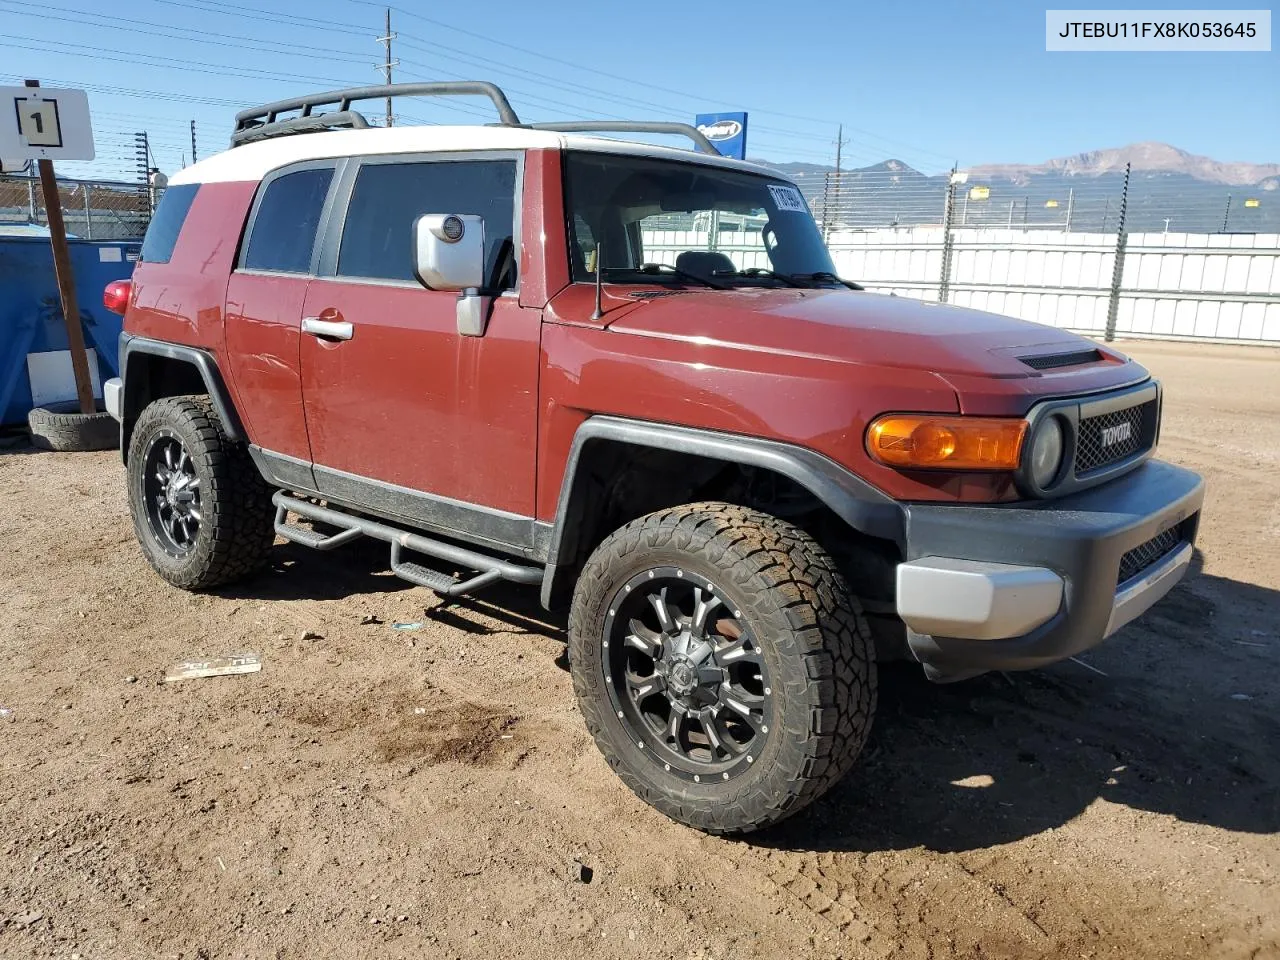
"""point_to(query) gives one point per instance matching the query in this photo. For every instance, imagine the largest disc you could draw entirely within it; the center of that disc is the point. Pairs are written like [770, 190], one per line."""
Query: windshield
[704, 223]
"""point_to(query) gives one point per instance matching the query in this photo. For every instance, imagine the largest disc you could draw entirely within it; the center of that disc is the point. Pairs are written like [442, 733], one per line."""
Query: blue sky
[930, 83]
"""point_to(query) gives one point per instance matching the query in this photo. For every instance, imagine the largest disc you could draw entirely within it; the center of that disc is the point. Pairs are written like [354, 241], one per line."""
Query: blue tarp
[31, 314]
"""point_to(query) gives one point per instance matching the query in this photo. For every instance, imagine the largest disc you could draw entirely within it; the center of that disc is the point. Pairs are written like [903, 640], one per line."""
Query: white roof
[255, 160]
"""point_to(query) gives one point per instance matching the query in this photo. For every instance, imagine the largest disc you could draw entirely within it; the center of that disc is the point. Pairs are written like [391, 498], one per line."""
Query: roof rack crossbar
[631, 126]
[306, 123]
[259, 123]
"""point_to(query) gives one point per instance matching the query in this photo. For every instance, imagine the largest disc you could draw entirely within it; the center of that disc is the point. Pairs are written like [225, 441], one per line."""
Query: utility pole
[839, 145]
[387, 62]
[193, 142]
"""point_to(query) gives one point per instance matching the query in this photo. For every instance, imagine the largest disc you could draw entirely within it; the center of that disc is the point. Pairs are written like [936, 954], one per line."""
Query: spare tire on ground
[61, 426]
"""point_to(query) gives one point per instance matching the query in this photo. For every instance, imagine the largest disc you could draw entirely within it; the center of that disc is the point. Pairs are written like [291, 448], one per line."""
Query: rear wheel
[721, 664]
[201, 510]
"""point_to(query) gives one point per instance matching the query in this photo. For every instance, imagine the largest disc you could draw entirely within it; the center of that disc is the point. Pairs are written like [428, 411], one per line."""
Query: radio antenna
[599, 311]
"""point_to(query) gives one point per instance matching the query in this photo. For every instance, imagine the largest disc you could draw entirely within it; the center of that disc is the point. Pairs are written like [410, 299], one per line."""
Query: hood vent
[654, 294]
[1049, 361]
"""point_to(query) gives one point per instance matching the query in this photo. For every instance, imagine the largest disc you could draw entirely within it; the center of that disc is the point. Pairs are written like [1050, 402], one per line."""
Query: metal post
[66, 281]
[1226, 216]
[1117, 272]
[387, 63]
[1071, 197]
[193, 141]
[1010, 214]
[826, 195]
[839, 146]
[948, 213]
[141, 152]
[88, 212]
[31, 195]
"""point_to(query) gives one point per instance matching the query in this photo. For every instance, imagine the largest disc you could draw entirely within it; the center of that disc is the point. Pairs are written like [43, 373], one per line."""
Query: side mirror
[448, 254]
[449, 250]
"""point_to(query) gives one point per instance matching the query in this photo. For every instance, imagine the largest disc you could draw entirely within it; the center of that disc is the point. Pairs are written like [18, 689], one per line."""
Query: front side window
[377, 239]
[283, 234]
[646, 215]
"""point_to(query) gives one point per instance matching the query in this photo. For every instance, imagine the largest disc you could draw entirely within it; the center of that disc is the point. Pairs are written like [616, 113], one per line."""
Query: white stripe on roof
[253, 161]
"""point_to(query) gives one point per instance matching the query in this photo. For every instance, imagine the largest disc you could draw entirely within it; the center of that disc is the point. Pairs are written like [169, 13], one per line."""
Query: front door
[405, 416]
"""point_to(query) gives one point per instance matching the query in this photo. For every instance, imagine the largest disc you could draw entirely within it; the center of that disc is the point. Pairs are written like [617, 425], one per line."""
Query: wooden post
[66, 282]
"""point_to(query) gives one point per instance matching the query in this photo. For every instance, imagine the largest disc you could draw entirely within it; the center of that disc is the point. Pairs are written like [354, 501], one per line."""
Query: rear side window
[377, 239]
[166, 222]
[283, 233]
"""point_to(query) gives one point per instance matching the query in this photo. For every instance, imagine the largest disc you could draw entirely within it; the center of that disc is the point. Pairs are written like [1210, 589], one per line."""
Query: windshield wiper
[758, 272]
[657, 268]
[829, 277]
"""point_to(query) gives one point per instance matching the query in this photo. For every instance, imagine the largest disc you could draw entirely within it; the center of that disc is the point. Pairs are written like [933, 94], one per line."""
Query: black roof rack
[260, 123]
[631, 126]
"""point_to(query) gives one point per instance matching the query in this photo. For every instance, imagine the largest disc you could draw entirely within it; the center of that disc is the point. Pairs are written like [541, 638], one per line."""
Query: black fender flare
[204, 363]
[862, 506]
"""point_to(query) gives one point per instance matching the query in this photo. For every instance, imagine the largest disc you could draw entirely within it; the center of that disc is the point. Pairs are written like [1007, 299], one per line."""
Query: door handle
[328, 329]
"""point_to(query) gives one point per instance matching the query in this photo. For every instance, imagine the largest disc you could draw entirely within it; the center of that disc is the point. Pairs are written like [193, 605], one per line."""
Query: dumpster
[35, 364]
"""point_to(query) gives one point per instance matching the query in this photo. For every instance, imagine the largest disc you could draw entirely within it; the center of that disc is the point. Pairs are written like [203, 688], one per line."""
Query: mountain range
[1192, 193]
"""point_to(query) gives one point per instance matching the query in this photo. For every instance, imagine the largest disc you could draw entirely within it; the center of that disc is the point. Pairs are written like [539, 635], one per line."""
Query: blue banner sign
[726, 131]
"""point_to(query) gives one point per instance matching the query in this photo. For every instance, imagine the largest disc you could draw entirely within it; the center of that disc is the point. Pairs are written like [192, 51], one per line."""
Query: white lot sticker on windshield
[787, 198]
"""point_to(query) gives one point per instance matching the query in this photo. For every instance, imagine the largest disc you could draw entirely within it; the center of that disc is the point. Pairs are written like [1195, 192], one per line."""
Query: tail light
[116, 296]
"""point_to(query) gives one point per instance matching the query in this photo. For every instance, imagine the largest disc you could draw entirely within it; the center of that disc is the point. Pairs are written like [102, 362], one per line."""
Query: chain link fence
[92, 209]
[894, 195]
[1131, 255]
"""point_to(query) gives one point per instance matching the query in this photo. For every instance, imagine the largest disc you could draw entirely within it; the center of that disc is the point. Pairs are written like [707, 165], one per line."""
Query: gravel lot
[432, 793]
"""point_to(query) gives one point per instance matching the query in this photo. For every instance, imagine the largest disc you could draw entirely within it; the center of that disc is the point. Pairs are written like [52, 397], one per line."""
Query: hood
[858, 327]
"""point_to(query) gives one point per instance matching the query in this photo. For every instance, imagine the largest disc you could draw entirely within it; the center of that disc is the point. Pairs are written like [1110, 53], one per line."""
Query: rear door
[264, 303]
[405, 416]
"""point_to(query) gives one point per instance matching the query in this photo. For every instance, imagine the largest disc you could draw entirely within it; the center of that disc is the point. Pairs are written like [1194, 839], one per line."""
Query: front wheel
[721, 664]
[201, 510]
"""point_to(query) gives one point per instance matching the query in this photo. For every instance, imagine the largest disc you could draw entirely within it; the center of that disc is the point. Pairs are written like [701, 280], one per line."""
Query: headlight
[946, 442]
[1046, 452]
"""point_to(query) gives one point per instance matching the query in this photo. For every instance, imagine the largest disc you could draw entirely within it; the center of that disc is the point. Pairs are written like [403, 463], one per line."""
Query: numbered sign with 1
[45, 123]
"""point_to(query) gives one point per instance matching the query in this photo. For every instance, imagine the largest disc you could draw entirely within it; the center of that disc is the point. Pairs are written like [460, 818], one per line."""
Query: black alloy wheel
[686, 675]
[201, 511]
[171, 492]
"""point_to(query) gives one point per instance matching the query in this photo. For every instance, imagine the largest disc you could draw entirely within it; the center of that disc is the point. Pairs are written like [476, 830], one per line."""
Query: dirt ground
[432, 793]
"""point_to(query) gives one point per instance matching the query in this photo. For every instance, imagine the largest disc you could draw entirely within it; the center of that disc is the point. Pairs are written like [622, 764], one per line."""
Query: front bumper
[1020, 586]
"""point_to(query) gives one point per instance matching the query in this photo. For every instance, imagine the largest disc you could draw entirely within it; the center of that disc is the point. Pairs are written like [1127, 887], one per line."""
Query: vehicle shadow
[1182, 723]
[1172, 715]
[302, 573]
[361, 568]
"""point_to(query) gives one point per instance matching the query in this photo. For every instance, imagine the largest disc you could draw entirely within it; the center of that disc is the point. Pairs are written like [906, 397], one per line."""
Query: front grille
[1049, 361]
[1111, 437]
[1145, 554]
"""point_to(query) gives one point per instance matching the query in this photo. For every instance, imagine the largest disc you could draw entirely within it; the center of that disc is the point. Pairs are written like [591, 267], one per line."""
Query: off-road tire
[64, 428]
[813, 636]
[236, 530]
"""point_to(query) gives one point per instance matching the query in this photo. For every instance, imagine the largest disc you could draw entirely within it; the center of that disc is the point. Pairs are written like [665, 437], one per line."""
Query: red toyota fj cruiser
[631, 375]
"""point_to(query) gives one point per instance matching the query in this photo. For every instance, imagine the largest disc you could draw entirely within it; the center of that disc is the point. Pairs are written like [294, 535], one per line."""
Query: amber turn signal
[926, 442]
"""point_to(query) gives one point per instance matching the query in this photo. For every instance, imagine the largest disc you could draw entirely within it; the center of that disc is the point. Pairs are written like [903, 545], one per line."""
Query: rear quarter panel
[182, 301]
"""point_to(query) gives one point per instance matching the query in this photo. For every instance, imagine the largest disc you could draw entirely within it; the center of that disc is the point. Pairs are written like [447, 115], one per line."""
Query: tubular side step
[441, 583]
[491, 569]
[312, 538]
